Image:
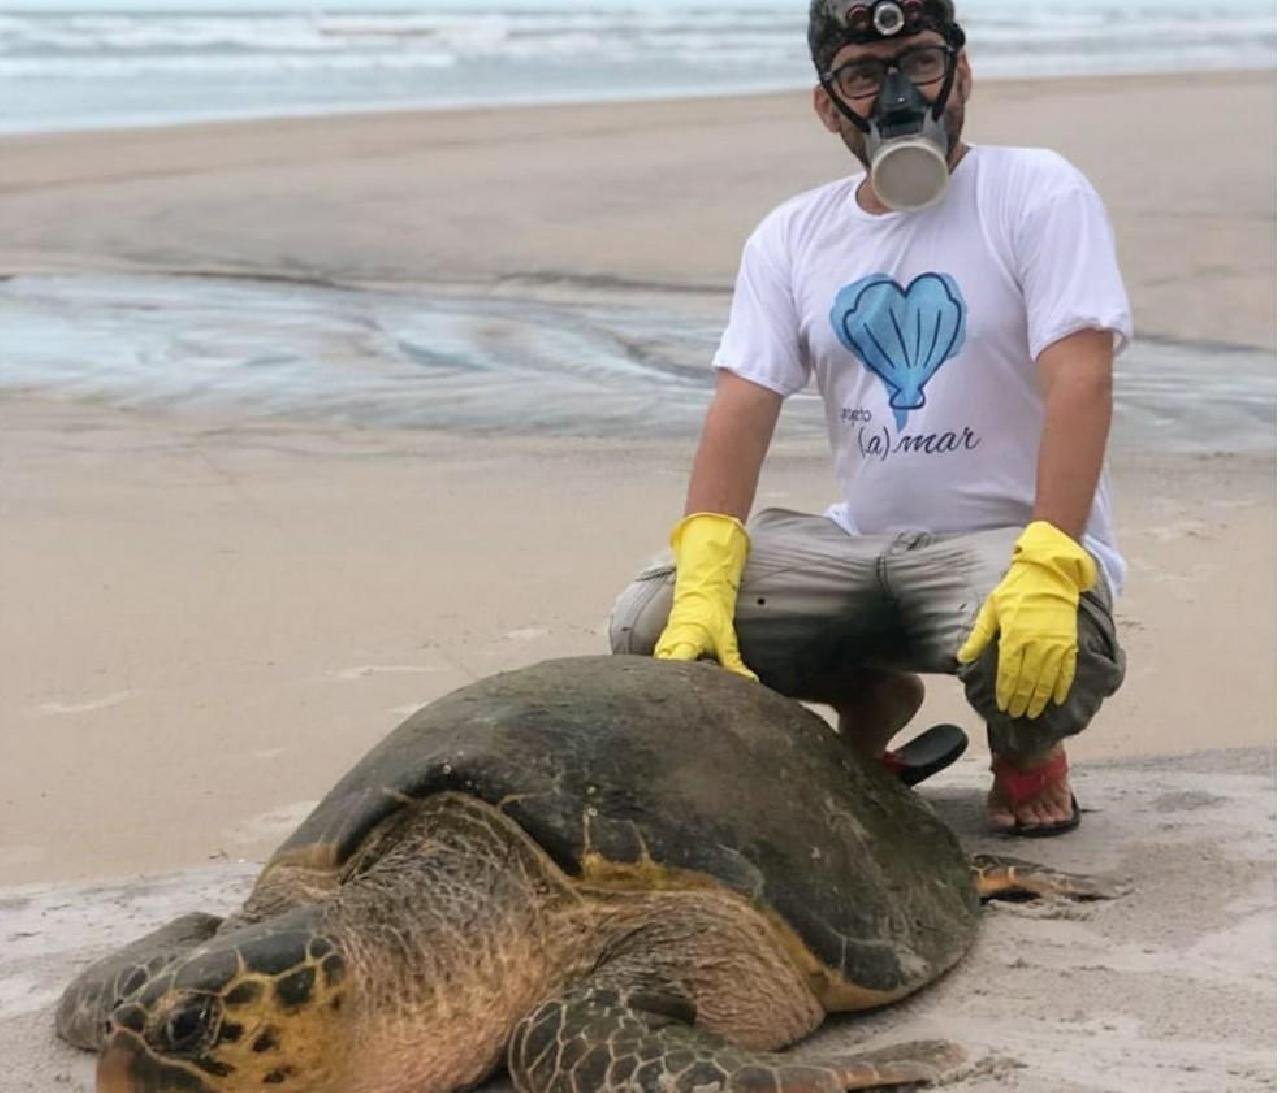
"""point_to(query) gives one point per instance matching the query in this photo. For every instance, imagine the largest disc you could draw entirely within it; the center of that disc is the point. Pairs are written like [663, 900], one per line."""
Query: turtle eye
[187, 1024]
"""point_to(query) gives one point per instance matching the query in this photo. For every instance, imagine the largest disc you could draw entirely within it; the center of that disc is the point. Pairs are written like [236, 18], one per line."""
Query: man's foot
[1032, 797]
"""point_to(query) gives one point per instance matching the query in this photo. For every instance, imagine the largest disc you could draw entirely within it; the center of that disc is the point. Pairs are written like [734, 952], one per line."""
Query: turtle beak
[127, 1067]
[115, 1068]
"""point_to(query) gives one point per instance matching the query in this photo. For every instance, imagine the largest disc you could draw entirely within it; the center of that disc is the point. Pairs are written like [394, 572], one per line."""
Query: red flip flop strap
[893, 762]
[1019, 785]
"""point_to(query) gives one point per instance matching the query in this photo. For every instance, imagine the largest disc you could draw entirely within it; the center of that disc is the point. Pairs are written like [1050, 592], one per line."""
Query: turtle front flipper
[996, 877]
[81, 1018]
[610, 1040]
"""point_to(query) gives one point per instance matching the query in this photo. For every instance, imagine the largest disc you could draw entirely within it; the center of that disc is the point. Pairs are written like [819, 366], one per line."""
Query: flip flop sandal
[1018, 786]
[933, 750]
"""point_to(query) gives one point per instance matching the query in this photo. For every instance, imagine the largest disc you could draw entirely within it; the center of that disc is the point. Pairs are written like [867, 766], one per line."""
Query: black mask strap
[940, 103]
[857, 119]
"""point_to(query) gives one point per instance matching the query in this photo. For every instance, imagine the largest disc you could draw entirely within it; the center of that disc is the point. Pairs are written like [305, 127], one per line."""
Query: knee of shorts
[1100, 669]
[640, 614]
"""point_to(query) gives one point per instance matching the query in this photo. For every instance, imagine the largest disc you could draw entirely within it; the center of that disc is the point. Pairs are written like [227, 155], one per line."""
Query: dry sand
[1169, 990]
[204, 622]
[210, 623]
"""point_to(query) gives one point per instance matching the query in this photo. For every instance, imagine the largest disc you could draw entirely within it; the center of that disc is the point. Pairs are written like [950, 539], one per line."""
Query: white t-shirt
[921, 331]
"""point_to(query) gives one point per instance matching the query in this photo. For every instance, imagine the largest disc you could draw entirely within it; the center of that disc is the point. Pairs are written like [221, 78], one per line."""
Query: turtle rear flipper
[604, 1039]
[997, 877]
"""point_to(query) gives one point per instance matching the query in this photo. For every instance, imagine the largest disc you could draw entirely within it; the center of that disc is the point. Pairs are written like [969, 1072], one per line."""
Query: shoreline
[1090, 84]
[139, 123]
[637, 193]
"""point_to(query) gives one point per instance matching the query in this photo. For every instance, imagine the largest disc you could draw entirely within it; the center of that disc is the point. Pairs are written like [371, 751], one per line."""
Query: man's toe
[1041, 813]
[999, 815]
[1046, 812]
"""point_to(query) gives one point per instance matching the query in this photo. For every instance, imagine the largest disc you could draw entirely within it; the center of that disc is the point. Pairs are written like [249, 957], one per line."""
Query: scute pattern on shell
[657, 773]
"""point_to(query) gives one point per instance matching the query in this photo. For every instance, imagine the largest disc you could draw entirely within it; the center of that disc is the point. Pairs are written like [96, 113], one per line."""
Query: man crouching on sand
[958, 307]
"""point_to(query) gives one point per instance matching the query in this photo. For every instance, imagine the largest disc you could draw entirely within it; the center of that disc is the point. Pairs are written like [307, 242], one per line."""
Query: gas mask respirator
[907, 146]
[906, 139]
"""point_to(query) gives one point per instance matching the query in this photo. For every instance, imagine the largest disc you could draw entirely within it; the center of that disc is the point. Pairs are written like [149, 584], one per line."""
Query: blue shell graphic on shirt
[903, 335]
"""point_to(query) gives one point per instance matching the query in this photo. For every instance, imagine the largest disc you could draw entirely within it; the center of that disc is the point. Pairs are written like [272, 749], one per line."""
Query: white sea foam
[89, 68]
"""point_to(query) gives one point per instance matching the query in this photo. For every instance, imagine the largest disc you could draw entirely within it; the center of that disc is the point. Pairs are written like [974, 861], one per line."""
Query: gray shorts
[818, 607]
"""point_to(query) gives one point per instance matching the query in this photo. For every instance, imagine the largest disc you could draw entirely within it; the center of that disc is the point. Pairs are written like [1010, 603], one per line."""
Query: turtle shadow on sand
[612, 873]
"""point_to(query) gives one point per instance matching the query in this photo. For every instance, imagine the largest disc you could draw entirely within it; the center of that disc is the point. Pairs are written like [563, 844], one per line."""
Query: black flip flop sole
[1044, 831]
[933, 750]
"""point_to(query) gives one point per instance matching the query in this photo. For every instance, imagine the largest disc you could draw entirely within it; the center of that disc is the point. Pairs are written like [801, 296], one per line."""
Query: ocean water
[451, 361]
[594, 368]
[72, 64]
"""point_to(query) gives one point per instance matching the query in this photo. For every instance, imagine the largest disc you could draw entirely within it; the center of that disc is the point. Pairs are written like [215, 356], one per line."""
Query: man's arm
[735, 437]
[1075, 375]
[710, 544]
[1033, 609]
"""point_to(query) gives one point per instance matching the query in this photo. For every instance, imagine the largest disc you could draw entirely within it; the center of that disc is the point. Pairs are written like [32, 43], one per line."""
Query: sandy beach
[658, 194]
[206, 618]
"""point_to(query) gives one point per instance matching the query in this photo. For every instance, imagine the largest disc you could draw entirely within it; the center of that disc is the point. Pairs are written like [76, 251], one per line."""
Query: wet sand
[660, 193]
[206, 620]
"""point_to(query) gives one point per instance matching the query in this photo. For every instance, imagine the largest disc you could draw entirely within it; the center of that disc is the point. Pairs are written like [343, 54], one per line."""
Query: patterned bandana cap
[834, 24]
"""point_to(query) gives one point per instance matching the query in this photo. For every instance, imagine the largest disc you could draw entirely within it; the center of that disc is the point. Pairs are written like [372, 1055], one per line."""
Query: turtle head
[259, 1007]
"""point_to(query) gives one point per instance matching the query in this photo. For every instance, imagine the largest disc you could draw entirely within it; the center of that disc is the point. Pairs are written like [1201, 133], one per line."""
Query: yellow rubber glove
[1034, 611]
[710, 550]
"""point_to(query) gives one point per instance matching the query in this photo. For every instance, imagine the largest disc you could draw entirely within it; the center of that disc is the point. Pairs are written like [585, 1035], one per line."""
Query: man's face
[855, 140]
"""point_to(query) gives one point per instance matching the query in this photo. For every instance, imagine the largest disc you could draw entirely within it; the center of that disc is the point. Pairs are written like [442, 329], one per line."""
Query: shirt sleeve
[1068, 270]
[762, 341]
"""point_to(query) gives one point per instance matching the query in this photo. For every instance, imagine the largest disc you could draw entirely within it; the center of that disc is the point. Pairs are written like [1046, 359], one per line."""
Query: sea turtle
[623, 873]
